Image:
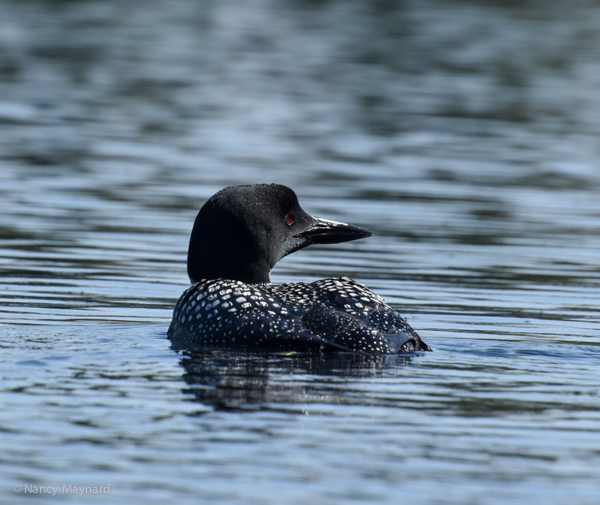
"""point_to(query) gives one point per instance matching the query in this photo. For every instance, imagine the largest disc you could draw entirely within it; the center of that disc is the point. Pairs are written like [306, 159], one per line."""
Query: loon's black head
[242, 231]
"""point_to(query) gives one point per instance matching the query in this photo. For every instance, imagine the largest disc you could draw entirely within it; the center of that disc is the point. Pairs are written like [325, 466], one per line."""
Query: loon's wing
[351, 332]
[357, 300]
[286, 329]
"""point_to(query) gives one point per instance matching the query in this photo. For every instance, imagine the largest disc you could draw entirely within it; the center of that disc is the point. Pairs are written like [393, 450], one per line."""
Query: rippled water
[464, 134]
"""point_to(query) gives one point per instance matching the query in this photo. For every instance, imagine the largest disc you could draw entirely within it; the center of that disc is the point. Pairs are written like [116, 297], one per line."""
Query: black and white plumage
[238, 236]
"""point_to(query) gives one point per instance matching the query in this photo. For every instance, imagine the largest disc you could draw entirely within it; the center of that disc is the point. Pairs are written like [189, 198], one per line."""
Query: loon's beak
[325, 231]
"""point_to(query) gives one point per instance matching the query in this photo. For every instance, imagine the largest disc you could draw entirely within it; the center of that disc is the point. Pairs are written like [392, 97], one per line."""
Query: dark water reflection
[229, 381]
[463, 133]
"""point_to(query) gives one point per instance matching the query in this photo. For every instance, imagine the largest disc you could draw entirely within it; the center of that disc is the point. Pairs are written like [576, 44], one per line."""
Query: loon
[240, 233]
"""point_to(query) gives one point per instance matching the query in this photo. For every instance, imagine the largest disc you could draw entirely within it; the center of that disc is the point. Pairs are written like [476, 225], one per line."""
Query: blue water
[463, 134]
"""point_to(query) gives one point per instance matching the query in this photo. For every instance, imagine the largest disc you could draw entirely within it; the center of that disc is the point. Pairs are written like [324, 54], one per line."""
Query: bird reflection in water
[253, 381]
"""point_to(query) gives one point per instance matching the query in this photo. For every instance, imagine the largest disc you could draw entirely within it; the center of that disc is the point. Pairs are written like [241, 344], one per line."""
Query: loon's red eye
[289, 219]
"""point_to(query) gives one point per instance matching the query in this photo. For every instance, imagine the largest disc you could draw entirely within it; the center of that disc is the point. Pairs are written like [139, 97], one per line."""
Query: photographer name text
[64, 489]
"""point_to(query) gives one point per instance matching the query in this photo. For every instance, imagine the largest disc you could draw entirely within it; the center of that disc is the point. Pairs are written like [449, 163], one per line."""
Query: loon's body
[238, 236]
